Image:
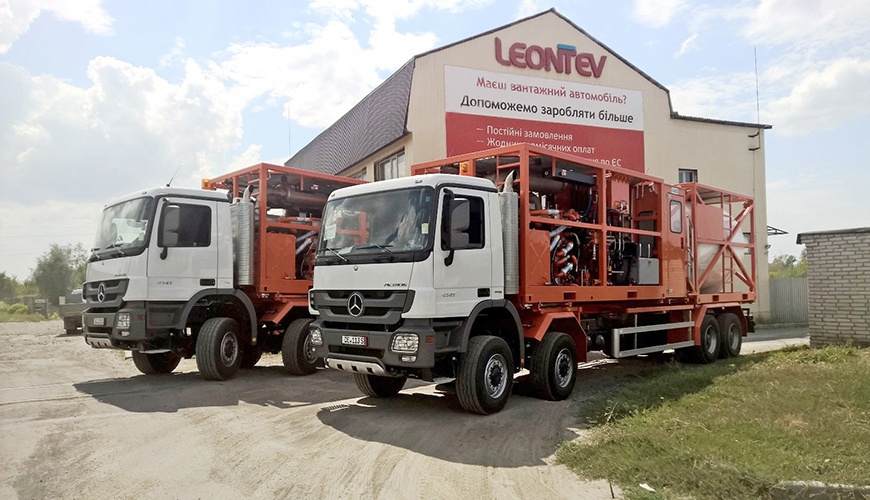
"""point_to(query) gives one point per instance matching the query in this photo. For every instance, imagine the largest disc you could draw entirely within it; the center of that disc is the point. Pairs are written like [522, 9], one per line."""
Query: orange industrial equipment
[620, 259]
[286, 226]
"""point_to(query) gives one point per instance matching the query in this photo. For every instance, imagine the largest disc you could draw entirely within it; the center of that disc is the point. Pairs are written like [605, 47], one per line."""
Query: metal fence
[788, 300]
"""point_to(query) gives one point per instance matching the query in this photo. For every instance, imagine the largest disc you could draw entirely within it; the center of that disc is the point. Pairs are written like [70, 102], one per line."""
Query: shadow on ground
[263, 386]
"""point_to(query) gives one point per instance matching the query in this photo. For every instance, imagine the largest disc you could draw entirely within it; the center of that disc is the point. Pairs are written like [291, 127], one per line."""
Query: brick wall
[838, 273]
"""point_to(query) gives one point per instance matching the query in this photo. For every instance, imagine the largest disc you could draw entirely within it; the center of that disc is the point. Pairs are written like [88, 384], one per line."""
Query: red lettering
[583, 65]
[598, 68]
[553, 60]
[517, 54]
[536, 57]
[532, 51]
[502, 61]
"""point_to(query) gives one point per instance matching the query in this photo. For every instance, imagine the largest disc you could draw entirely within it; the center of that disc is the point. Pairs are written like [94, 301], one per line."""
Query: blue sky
[99, 98]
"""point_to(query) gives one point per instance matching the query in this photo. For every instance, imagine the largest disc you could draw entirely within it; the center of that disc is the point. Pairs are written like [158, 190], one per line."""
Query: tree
[788, 266]
[8, 286]
[53, 273]
[78, 261]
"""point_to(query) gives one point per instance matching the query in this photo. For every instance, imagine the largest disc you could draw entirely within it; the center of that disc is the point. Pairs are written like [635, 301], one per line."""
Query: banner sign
[487, 110]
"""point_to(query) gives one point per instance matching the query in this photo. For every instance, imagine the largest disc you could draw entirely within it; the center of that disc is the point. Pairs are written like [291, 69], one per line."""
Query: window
[687, 175]
[390, 168]
[185, 226]
[676, 217]
[471, 236]
[359, 175]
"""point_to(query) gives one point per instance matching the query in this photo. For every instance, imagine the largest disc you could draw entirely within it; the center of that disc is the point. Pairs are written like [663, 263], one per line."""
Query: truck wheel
[155, 364]
[486, 375]
[711, 343]
[296, 350]
[379, 387]
[251, 354]
[217, 349]
[554, 366]
[732, 335]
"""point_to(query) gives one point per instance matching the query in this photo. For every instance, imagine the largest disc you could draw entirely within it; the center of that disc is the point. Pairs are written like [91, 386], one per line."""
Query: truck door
[463, 275]
[182, 257]
[675, 245]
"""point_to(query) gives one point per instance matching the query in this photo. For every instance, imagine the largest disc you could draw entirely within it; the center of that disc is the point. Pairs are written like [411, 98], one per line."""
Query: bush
[17, 309]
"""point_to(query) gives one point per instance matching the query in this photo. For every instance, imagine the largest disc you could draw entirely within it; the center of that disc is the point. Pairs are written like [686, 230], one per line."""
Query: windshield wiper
[334, 252]
[117, 246]
[384, 249]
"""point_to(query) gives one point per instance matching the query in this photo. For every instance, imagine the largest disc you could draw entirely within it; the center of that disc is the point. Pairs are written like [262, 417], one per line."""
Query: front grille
[112, 292]
[380, 307]
[357, 351]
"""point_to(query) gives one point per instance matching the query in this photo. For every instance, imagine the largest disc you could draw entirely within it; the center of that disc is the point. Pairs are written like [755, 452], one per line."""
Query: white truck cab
[406, 269]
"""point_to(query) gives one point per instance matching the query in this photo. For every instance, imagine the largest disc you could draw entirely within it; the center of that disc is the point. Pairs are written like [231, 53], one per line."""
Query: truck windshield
[123, 229]
[391, 225]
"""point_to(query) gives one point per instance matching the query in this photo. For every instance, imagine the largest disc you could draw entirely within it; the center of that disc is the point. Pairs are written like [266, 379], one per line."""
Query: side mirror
[455, 223]
[169, 225]
[460, 220]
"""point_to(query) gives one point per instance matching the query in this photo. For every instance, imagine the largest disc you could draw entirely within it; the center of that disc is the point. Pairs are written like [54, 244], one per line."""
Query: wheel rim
[563, 369]
[711, 339]
[733, 337]
[495, 376]
[307, 351]
[229, 349]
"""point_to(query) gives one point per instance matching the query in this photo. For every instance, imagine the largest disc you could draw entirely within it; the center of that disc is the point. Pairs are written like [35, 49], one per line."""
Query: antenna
[289, 135]
[173, 175]
[757, 104]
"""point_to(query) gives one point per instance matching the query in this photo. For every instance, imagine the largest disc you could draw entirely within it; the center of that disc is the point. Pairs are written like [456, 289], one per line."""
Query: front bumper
[100, 329]
[375, 357]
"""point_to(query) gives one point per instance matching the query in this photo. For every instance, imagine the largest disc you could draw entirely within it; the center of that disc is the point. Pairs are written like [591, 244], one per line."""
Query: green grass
[735, 428]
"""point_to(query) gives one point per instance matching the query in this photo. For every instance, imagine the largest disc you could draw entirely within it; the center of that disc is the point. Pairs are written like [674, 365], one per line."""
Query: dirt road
[79, 422]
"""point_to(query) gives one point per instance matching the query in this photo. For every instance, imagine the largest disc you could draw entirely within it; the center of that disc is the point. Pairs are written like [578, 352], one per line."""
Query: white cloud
[656, 13]
[528, 8]
[689, 44]
[808, 22]
[724, 97]
[823, 99]
[16, 16]
[130, 128]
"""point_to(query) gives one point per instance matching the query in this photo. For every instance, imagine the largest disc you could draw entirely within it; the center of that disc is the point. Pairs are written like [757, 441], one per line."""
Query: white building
[542, 80]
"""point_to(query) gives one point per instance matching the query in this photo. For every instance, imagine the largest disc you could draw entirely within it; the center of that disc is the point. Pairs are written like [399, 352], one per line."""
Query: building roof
[857, 230]
[376, 121]
[381, 117]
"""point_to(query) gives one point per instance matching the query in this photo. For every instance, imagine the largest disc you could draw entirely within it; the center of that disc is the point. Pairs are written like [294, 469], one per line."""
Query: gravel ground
[77, 422]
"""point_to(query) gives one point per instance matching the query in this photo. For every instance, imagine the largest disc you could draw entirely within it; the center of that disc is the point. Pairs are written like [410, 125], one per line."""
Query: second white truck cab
[408, 272]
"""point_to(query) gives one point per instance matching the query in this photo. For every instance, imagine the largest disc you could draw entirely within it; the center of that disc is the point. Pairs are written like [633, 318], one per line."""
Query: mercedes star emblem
[355, 306]
[101, 293]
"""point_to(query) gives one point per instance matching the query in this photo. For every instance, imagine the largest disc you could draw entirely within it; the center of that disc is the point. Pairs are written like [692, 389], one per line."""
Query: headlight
[123, 321]
[405, 342]
[311, 303]
[314, 336]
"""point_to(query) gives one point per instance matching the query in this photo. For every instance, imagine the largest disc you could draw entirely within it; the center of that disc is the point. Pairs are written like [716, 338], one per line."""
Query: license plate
[354, 340]
[99, 321]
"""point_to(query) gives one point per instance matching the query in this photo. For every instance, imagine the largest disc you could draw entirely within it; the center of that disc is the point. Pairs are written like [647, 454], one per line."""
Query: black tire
[554, 366]
[251, 354]
[731, 335]
[379, 387]
[155, 364]
[486, 375]
[73, 331]
[218, 353]
[710, 346]
[296, 351]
